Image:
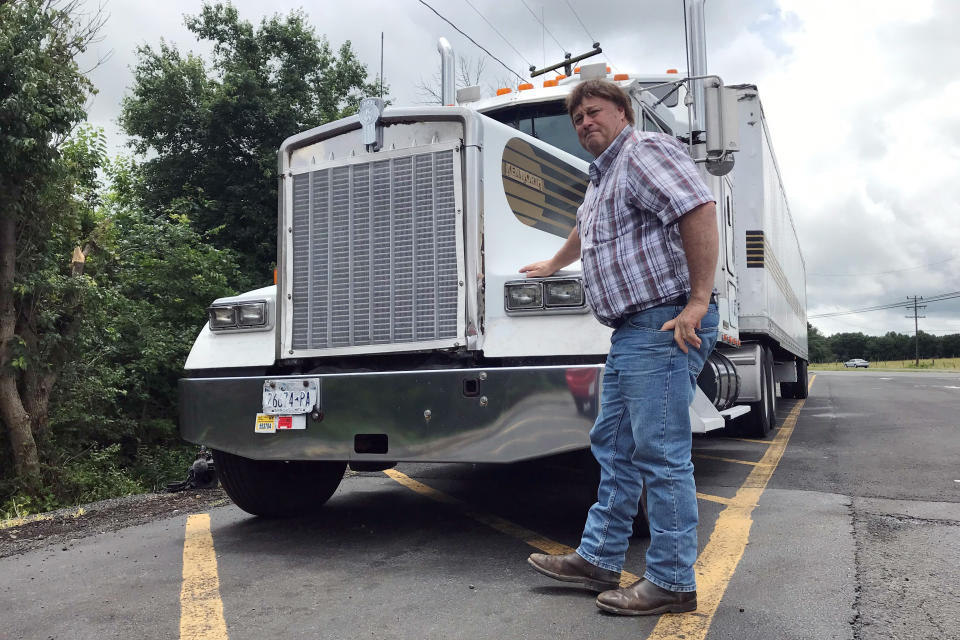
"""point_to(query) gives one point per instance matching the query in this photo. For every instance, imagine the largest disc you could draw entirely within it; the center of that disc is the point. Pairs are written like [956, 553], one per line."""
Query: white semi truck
[399, 328]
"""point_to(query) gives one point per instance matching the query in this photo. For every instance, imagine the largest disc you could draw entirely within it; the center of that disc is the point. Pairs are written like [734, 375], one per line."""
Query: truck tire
[274, 488]
[796, 389]
[762, 417]
[799, 388]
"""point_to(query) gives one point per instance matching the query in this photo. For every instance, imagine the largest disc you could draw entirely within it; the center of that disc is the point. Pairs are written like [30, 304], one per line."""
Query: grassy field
[939, 364]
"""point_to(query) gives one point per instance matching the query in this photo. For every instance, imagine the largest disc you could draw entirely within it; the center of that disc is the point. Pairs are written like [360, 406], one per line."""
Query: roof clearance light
[504, 91]
[608, 68]
[576, 70]
[672, 71]
[549, 83]
[621, 76]
[525, 86]
[561, 76]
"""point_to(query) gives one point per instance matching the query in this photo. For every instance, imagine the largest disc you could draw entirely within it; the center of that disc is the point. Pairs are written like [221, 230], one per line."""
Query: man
[647, 237]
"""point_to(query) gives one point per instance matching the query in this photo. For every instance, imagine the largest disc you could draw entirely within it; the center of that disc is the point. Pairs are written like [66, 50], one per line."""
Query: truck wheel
[273, 488]
[762, 417]
[796, 389]
[800, 390]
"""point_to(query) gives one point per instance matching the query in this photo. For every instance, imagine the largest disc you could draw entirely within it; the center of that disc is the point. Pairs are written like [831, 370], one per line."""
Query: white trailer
[400, 329]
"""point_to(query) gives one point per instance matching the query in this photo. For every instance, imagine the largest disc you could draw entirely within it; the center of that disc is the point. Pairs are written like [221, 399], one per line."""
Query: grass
[926, 364]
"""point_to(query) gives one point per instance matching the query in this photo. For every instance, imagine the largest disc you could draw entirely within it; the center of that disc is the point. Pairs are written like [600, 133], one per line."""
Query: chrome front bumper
[460, 415]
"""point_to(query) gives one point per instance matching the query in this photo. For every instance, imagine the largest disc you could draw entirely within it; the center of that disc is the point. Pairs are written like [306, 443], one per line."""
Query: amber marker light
[549, 83]
[504, 91]
[621, 76]
[274, 276]
[672, 71]
[525, 86]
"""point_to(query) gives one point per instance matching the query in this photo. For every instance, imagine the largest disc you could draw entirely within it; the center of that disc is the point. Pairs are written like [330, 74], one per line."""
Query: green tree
[950, 345]
[848, 345]
[212, 127]
[818, 345]
[47, 212]
[156, 277]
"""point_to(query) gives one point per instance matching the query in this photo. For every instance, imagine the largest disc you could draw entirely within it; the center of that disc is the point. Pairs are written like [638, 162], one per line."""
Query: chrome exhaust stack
[447, 73]
[696, 59]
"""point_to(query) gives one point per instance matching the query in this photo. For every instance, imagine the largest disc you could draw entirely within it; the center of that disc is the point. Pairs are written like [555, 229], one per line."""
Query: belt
[680, 301]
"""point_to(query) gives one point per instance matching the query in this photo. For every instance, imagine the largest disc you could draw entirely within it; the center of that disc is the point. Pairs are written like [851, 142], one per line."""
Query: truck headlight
[222, 317]
[241, 315]
[523, 296]
[563, 293]
[252, 314]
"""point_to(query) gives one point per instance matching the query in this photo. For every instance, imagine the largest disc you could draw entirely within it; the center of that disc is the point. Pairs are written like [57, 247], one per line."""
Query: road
[845, 525]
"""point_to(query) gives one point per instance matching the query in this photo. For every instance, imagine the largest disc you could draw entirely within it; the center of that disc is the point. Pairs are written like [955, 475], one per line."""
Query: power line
[937, 298]
[592, 39]
[543, 25]
[573, 11]
[880, 273]
[478, 45]
[502, 37]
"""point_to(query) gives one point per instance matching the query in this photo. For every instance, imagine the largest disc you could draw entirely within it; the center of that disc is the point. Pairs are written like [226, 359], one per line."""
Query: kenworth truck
[400, 329]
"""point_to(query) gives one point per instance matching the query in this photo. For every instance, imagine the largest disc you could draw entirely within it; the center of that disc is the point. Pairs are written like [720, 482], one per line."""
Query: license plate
[290, 396]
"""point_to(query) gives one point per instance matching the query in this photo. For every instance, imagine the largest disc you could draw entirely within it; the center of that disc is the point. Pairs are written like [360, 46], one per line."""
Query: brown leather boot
[643, 598]
[572, 568]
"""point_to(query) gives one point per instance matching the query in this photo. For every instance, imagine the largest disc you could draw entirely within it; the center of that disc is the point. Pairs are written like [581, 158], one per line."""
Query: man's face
[598, 122]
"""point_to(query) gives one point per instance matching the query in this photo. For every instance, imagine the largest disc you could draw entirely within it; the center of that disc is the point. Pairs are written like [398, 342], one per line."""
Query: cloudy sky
[860, 95]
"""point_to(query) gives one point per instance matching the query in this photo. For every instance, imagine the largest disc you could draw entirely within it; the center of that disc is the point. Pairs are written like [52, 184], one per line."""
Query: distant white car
[857, 362]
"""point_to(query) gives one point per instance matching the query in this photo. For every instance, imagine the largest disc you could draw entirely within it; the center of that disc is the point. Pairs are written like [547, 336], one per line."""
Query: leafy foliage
[41, 96]
[214, 126]
[47, 211]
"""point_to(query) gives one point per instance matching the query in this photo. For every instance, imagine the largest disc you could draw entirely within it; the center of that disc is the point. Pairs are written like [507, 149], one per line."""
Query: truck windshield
[547, 121]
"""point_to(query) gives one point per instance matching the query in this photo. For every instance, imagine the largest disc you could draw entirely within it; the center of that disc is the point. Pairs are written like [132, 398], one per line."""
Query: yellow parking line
[734, 460]
[749, 440]
[719, 559]
[532, 538]
[201, 610]
[712, 498]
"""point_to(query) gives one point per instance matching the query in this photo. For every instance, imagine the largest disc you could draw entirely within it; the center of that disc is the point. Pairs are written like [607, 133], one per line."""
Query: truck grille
[375, 253]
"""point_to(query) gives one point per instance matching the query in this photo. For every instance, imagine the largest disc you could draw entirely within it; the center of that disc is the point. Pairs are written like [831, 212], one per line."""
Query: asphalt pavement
[853, 533]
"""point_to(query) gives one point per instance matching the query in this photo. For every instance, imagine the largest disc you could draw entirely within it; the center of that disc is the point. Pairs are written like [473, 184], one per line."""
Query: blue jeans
[642, 436]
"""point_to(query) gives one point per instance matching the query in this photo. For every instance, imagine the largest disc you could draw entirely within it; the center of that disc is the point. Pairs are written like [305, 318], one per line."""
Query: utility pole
[916, 327]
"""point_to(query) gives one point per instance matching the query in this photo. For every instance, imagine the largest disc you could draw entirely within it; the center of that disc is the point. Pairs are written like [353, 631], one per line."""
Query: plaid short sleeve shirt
[631, 251]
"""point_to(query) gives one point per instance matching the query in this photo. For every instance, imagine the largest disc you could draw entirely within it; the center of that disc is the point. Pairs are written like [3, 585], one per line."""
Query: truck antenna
[381, 64]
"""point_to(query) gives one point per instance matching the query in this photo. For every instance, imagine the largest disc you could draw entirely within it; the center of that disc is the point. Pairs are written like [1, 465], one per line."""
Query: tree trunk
[35, 384]
[12, 410]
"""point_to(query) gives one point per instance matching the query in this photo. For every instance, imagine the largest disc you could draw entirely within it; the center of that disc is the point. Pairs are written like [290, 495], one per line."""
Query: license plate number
[290, 396]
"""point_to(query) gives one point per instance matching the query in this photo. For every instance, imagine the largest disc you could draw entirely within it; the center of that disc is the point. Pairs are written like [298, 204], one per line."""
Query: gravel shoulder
[20, 535]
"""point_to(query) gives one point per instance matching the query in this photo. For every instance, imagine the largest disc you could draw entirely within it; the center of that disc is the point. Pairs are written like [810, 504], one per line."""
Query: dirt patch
[57, 527]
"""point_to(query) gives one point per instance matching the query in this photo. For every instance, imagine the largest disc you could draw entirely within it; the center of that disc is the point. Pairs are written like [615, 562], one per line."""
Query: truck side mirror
[721, 124]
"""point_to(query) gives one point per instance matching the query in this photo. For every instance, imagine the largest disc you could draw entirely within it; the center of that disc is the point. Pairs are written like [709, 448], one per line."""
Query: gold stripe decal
[542, 191]
[755, 250]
